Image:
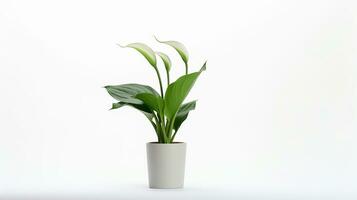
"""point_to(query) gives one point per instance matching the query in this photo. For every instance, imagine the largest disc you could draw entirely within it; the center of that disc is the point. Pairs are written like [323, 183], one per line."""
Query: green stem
[167, 126]
[171, 125]
[186, 66]
[158, 131]
[168, 78]
[159, 77]
[162, 126]
[173, 137]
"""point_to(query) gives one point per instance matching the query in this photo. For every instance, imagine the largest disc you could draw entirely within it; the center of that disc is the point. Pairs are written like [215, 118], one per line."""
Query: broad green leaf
[126, 92]
[179, 47]
[177, 91]
[145, 50]
[165, 58]
[183, 113]
[154, 102]
[141, 107]
[144, 109]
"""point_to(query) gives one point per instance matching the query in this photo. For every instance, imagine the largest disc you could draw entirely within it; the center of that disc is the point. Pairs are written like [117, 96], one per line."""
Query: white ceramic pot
[166, 165]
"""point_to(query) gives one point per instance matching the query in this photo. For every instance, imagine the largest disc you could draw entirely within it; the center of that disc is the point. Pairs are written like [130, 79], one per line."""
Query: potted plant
[166, 112]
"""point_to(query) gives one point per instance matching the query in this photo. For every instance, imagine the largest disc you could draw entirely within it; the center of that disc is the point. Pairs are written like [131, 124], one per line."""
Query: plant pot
[166, 165]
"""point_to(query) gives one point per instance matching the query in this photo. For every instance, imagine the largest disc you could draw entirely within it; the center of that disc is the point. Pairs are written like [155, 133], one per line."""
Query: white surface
[133, 192]
[277, 103]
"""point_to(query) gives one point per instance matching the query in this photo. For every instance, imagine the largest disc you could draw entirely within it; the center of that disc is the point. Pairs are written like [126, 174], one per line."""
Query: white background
[276, 116]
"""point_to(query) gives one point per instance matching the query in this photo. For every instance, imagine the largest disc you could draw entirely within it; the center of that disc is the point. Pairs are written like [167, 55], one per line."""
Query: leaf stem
[168, 78]
[158, 131]
[173, 137]
[171, 125]
[186, 66]
[162, 126]
[159, 77]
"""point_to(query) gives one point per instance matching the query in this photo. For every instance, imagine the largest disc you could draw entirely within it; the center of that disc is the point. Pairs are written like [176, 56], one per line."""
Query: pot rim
[173, 143]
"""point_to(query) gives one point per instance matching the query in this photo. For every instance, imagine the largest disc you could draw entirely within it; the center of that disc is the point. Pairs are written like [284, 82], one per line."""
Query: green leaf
[165, 58]
[179, 47]
[203, 68]
[177, 91]
[182, 113]
[142, 108]
[117, 105]
[145, 50]
[126, 92]
[154, 102]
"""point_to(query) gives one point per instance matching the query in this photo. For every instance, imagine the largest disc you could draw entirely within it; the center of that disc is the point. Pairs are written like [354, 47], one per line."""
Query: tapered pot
[166, 165]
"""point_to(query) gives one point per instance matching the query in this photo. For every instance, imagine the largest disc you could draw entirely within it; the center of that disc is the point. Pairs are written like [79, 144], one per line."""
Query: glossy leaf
[177, 92]
[126, 92]
[141, 107]
[145, 50]
[154, 102]
[179, 47]
[182, 113]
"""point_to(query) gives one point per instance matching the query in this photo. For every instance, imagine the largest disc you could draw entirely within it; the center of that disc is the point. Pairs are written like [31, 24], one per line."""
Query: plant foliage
[165, 111]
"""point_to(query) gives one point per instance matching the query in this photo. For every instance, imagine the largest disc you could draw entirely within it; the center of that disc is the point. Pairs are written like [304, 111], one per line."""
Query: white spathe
[166, 165]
